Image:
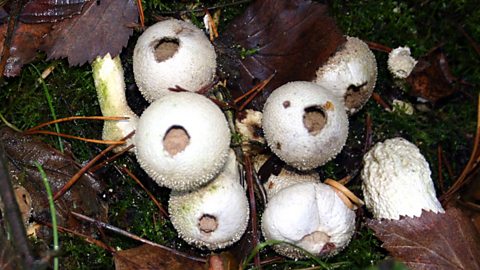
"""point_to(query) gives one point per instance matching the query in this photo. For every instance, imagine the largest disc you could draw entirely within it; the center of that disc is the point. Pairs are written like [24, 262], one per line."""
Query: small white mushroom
[304, 124]
[288, 177]
[351, 74]
[310, 216]
[182, 140]
[110, 86]
[172, 53]
[400, 63]
[396, 181]
[214, 216]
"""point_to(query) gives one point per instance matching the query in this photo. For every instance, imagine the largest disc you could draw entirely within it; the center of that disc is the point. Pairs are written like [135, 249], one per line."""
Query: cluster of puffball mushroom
[182, 140]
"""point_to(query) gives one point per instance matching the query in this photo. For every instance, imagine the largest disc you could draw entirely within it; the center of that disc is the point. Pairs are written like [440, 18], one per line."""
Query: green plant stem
[52, 212]
[50, 105]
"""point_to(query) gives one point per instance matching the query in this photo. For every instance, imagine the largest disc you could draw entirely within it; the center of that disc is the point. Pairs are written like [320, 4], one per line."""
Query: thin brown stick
[83, 170]
[378, 47]
[110, 159]
[140, 13]
[440, 166]
[155, 201]
[135, 237]
[72, 118]
[47, 132]
[368, 133]
[259, 87]
[381, 102]
[462, 179]
[472, 42]
[253, 206]
[448, 166]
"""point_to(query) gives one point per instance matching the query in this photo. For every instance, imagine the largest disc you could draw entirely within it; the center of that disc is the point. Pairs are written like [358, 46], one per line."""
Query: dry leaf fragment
[431, 241]
[39, 11]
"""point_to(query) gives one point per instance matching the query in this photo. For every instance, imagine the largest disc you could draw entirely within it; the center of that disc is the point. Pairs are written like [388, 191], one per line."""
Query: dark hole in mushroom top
[176, 140]
[207, 223]
[165, 48]
[286, 104]
[314, 119]
[356, 95]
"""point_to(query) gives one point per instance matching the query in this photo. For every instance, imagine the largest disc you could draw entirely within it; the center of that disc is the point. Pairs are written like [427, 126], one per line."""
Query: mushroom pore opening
[165, 48]
[355, 95]
[314, 119]
[207, 224]
[176, 139]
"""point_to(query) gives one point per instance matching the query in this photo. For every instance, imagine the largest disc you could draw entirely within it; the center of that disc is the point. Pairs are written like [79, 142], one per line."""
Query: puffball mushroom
[172, 53]
[396, 181]
[400, 63]
[310, 216]
[182, 140]
[351, 74]
[304, 124]
[110, 86]
[288, 177]
[214, 216]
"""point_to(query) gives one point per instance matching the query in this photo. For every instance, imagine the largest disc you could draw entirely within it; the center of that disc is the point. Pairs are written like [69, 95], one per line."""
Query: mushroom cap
[223, 202]
[310, 216]
[192, 65]
[304, 124]
[182, 140]
[286, 178]
[400, 63]
[396, 181]
[351, 74]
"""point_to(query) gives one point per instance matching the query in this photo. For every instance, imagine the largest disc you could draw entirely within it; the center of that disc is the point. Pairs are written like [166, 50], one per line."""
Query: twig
[381, 102]
[135, 237]
[368, 133]
[12, 22]
[83, 170]
[110, 159]
[140, 14]
[72, 118]
[449, 167]
[253, 207]
[378, 47]
[252, 93]
[155, 201]
[472, 42]
[46, 132]
[8, 124]
[440, 165]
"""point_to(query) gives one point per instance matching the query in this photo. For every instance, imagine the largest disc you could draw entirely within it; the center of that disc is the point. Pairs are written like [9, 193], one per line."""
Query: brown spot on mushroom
[355, 95]
[165, 48]
[286, 104]
[207, 224]
[316, 237]
[328, 248]
[314, 119]
[176, 140]
[278, 145]
[329, 106]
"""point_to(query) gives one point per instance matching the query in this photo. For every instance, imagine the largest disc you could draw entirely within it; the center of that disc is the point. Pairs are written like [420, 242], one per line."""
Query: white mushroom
[351, 74]
[110, 85]
[400, 63]
[396, 181]
[214, 216]
[304, 124]
[172, 53]
[310, 216]
[287, 178]
[182, 140]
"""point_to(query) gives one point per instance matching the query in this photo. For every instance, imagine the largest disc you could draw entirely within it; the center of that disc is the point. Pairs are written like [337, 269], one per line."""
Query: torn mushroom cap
[351, 74]
[288, 177]
[172, 53]
[310, 216]
[396, 181]
[182, 140]
[400, 63]
[214, 216]
[304, 124]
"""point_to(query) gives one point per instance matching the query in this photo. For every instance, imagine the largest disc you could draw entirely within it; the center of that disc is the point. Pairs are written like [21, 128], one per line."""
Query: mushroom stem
[110, 85]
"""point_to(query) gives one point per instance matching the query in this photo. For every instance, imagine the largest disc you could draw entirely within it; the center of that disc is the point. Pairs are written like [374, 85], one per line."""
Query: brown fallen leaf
[290, 39]
[22, 152]
[432, 241]
[101, 28]
[39, 11]
[431, 77]
[153, 258]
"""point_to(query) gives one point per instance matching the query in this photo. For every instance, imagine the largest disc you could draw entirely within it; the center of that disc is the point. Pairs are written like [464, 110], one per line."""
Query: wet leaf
[432, 241]
[150, 257]
[22, 152]
[431, 78]
[288, 38]
[102, 28]
[39, 11]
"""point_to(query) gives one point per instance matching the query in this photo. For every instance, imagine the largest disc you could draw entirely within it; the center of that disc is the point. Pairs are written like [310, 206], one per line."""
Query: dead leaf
[23, 47]
[288, 38]
[22, 151]
[432, 241]
[431, 77]
[153, 258]
[40, 11]
[102, 28]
